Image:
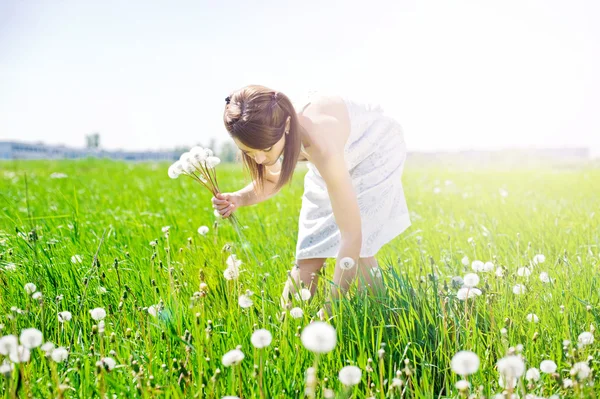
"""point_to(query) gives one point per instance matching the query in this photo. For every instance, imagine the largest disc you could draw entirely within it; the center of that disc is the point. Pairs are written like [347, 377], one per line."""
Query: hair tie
[227, 99]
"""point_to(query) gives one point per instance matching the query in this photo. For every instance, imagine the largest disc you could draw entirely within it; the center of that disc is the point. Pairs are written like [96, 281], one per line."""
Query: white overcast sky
[154, 74]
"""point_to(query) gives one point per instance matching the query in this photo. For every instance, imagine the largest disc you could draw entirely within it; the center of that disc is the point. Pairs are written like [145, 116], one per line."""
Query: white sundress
[375, 154]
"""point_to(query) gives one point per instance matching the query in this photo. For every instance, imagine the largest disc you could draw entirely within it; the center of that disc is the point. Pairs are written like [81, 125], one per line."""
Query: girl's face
[265, 156]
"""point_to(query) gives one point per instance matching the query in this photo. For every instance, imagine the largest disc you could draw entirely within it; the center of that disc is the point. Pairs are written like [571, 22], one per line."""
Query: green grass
[111, 211]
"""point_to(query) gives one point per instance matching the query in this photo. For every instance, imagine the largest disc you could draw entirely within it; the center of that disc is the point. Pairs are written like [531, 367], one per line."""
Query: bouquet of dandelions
[199, 163]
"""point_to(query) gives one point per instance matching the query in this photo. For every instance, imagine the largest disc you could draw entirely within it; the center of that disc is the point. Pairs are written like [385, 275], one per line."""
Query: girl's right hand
[226, 203]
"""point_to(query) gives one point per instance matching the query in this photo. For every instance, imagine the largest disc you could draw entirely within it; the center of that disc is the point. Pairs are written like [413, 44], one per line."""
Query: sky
[154, 74]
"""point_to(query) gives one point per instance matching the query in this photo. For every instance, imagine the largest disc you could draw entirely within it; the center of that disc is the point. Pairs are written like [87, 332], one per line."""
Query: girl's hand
[226, 203]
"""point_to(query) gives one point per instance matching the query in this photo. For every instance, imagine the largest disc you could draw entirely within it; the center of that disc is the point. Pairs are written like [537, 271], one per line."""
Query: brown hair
[256, 115]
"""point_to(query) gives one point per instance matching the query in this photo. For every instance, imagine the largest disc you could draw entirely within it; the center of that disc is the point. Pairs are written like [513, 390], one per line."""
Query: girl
[353, 201]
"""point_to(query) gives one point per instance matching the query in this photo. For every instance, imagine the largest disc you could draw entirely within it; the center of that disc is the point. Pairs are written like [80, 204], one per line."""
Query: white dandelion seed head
[233, 261]
[511, 367]
[462, 385]
[376, 272]
[296, 313]
[60, 354]
[477, 266]
[532, 374]
[503, 192]
[98, 313]
[567, 383]
[8, 344]
[231, 273]
[188, 163]
[232, 357]
[31, 338]
[539, 258]
[203, 230]
[466, 293]
[544, 277]
[30, 288]
[261, 338]
[6, 368]
[488, 267]
[319, 337]
[532, 318]
[350, 375]
[518, 289]
[470, 280]
[153, 310]
[548, 366]
[585, 338]
[76, 259]
[20, 355]
[165, 229]
[212, 162]
[108, 363]
[499, 272]
[64, 316]
[465, 261]
[244, 301]
[465, 363]
[303, 295]
[101, 290]
[47, 347]
[175, 170]
[524, 271]
[347, 263]
[581, 370]
[10, 267]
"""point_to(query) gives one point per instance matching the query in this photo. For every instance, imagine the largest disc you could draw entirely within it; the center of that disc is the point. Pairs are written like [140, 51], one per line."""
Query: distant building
[19, 150]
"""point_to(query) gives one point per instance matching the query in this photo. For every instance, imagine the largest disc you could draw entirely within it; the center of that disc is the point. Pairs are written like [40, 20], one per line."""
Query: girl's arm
[332, 167]
[249, 196]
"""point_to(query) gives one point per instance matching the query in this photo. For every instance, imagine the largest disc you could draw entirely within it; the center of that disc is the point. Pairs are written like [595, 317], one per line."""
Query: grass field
[94, 239]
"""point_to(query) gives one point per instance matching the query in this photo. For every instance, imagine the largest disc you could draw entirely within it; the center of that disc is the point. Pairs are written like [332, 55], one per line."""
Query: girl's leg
[305, 274]
[369, 276]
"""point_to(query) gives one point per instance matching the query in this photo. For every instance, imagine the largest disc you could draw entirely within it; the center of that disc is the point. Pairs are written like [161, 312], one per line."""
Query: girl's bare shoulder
[326, 122]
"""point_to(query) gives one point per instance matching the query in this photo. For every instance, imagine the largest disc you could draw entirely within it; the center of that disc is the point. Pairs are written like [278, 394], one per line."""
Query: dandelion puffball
[8, 344]
[108, 362]
[462, 385]
[511, 367]
[466, 293]
[350, 375]
[319, 337]
[585, 338]
[59, 354]
[471, 280]
[64, 316]
[544, 277]
[20, 355]
[304, 294]
[548, 366]
[76, 259]
[244, 301]
[477, 266]
[518, 289]
[261, 338]
[98, 314]
[347, 263]
[31, 338]
[232, 357]
[203, 230]
[465, 363]
[532, 374]
[532, 318]
[539, 259]
[296, 313]
[30, 288]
